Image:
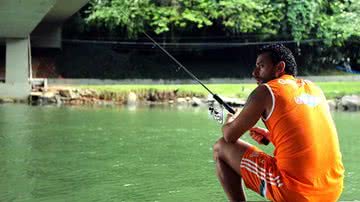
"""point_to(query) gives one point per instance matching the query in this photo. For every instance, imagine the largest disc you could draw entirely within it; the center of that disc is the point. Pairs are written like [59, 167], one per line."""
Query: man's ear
[280, 68]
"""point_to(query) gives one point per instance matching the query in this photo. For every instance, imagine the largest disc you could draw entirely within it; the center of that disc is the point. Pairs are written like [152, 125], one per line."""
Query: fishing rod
[215, 96]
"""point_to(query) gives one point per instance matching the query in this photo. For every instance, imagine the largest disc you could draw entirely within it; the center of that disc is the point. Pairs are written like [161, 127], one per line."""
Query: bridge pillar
[17, 66]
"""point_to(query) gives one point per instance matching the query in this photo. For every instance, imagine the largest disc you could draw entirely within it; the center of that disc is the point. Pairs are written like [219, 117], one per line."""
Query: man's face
[265, 69]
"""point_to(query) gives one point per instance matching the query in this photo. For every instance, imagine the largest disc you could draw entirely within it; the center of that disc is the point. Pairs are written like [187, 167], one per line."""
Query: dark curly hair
[278, 52]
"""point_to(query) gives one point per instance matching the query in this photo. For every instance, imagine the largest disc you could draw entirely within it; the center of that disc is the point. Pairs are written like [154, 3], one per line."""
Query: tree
[115, 15]
[336, 23]
[236, 16]
[340, 22]
[333, 21]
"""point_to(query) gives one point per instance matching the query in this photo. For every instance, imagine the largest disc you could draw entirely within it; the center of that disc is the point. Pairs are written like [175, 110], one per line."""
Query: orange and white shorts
[260, 174]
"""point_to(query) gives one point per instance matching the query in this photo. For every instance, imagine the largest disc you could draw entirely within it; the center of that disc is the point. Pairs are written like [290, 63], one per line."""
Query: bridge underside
[25, 24]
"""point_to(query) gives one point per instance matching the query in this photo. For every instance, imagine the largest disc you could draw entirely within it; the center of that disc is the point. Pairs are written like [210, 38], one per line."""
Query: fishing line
[216, 114]
[215, 96]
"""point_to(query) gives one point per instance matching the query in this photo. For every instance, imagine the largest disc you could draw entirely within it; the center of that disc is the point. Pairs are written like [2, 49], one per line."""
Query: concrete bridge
[25, 24]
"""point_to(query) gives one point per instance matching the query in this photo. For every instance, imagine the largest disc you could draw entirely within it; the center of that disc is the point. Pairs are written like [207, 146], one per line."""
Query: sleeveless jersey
[306, 144]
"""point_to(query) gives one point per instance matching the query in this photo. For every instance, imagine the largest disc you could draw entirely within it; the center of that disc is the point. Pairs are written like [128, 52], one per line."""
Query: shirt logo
[307, 99]
[287, 82]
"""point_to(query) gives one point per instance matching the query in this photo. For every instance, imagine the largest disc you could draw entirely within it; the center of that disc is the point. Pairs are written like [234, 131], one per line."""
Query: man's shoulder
[262, 91]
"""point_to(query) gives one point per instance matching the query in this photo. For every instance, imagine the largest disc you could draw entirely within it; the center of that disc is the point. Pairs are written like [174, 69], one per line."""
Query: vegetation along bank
[340, 95]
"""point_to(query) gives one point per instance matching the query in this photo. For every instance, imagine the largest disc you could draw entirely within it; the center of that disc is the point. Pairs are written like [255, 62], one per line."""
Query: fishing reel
[216, 111]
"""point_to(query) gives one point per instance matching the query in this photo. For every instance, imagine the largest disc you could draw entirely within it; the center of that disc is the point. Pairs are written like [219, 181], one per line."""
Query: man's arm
[258, 101]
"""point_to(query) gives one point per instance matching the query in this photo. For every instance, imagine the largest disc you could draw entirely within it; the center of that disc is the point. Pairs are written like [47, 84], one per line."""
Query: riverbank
[340, 95]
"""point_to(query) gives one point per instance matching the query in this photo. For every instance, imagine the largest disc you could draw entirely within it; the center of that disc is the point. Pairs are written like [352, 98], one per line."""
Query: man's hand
[258, 134]
[256, 104]
[230, 117]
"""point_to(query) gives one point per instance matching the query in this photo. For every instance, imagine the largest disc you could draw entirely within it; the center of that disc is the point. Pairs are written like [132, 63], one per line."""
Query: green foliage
[250, 16]
[334, 21]
[342, 22]
[200, 13]
[162, 17]
[302, 16]
[134, 15]
[126, 14]
[182, 14]
[235, 15]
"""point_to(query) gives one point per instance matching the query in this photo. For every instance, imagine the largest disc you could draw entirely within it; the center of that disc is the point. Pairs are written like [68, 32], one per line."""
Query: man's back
[305, 138]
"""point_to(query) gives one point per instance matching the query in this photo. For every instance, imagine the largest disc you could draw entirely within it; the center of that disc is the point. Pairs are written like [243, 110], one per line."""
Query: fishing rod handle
[226, 106]
[264, 140]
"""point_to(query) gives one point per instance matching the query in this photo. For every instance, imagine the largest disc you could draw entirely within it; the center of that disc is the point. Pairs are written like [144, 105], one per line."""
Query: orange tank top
[304, 135]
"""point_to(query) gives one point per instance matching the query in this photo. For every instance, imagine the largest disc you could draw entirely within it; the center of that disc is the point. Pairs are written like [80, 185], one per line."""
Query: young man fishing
[306, 164]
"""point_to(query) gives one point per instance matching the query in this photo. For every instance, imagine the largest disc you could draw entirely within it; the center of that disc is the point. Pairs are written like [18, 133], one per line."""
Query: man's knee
[223, 149]
[218, 146]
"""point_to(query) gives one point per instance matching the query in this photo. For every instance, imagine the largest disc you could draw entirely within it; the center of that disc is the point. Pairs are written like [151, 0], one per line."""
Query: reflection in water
[15, 152]
[161, 153]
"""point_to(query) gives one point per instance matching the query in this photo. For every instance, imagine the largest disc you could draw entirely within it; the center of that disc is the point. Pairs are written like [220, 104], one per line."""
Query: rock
[181, 100]
[68, 93]
[350, 102]
[36, 94]
[6, 100]
[48, 98]
[195, 101]
[162, 96]
[87, 93]
[23, 101]
[49, 94]
[58, 99]
[131, 98]
[152, 96]
[65, 93]
[172, 95]
[332, 104]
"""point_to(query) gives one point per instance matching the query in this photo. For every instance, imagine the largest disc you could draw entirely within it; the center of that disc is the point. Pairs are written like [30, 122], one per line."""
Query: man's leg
[228, 157]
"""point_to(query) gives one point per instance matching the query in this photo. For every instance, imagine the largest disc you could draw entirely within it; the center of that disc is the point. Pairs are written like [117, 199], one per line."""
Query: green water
[121, 154]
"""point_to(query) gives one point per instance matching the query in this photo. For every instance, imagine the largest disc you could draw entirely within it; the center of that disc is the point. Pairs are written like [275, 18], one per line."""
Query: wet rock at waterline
[350, 103]
[196, 101]
[92, 97]
[332, 104]
[131, 98]
[6, 100]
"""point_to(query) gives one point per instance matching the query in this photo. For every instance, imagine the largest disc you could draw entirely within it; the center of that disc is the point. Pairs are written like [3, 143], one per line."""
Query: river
[51, 153]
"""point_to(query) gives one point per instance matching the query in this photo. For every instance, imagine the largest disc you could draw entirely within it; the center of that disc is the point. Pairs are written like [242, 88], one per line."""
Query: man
[306, 165]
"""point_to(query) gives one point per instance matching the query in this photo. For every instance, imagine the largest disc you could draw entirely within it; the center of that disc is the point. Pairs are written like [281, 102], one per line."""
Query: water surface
[125, 154]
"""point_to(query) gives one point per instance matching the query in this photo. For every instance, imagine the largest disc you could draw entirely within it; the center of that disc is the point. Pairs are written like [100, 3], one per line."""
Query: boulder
[350, 102]
[181, 100]
[6, 100]
[332, 104]
[68, 93]
[196, 101]
[131, 98]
